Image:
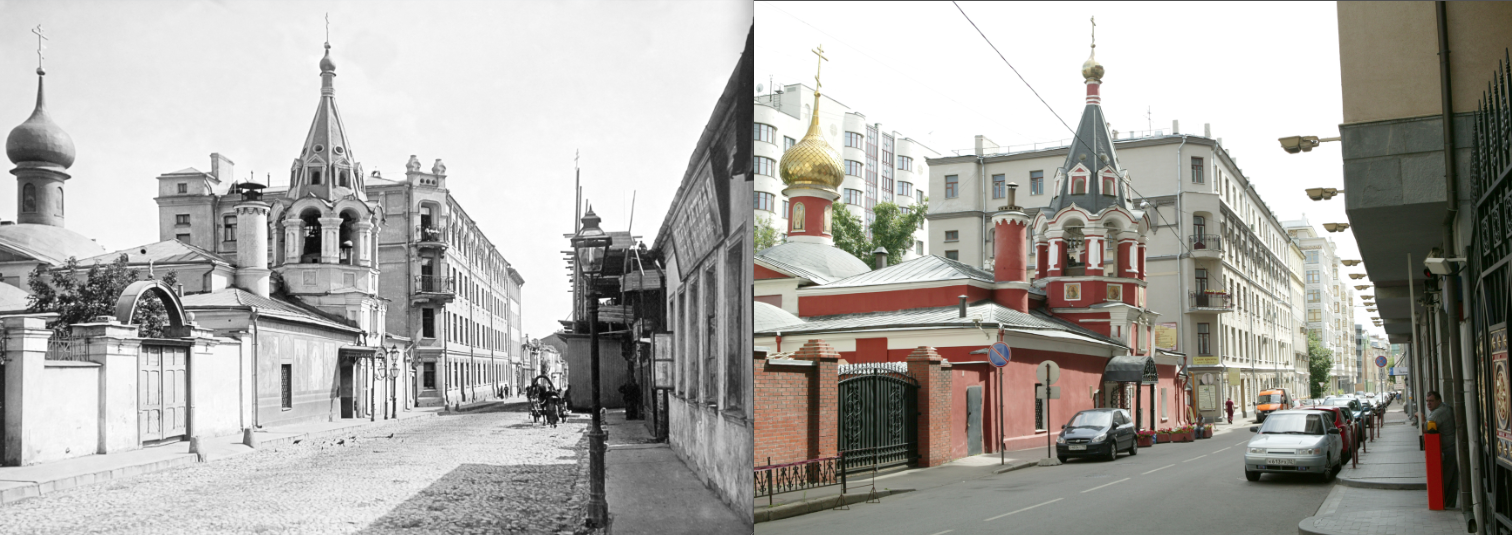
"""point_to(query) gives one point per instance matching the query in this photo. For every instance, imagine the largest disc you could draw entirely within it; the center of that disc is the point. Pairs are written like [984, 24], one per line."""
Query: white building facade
[1330, 314]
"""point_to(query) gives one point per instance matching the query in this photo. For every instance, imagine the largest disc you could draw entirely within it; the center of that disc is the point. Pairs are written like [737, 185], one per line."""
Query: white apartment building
[1303, 370]
[1218, 265]
[880, 165]
[1330, 314]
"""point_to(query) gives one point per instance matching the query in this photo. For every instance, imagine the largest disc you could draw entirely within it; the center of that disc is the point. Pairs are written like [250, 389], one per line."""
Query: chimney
[252, 241]
[221, 167]
[963, 307]
[1175, 128]
[1010, 254]
[1207, 130]
[879, 258]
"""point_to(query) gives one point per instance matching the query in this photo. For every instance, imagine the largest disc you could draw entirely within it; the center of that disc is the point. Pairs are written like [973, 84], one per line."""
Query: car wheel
[1113, 450]
[1252, 476]
[1061, 459]
[1329, 472]
[1134, 447]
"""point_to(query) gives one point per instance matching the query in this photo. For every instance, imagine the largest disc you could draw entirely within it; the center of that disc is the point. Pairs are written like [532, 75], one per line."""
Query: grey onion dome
[38, 139]
[326, 65]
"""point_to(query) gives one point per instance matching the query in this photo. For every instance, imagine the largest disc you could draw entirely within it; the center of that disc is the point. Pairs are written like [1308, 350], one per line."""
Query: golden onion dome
[812, 161]
[1092, 71]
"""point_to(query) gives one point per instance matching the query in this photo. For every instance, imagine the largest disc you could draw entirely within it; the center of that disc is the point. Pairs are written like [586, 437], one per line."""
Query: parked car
[1271, 401]
[1345, 426]
[1100, 433]
[1294, 442]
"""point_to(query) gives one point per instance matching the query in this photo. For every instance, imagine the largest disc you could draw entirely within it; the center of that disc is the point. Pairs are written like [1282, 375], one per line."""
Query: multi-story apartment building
[880, 165]
[1328, 302]
[1302, 374]
[1221, 280]
[446, 292]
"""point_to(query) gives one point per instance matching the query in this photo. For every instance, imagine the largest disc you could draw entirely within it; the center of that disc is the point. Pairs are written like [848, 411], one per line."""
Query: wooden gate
[163, 392]
[878, 415]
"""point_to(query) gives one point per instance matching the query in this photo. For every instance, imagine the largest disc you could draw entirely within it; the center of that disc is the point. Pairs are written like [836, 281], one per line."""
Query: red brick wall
[797, 411]
[934, 405]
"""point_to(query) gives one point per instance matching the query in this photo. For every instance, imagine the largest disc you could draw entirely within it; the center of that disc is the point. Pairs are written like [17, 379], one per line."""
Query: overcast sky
[1254, 71]
[503, 92]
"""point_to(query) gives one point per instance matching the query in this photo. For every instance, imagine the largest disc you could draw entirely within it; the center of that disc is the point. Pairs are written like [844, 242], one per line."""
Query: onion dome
[39, 139]
[326, 65]
[812, 161]
[1092, 71]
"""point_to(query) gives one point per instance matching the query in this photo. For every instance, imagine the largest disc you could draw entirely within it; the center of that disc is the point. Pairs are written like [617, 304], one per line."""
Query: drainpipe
[986, 221]
[1180, 277]
[255, 355]
[1465, 385]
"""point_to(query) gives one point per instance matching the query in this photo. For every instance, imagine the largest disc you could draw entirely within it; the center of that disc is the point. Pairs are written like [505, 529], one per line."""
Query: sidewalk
[21, 482]
[1386, 493]
[651, 491]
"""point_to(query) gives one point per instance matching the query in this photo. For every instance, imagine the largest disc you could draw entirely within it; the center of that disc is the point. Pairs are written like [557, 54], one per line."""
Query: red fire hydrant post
[1435, 468]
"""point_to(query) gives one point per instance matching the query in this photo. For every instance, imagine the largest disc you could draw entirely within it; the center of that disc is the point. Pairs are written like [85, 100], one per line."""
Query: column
[293, 240]
[824, 399]
[25, 351]
[364, 243]
[330, 233]
[1095, 243]
[1128, 257]
[115, 347]
[1057, 253]
[934, 398]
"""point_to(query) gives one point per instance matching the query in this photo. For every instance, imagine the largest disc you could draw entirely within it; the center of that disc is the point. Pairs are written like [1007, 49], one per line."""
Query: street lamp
[393, 375]
[1296, 144]
[1322, 194]
[591, 244]
[1356, 276]
[1335, 227]
[1362, 286]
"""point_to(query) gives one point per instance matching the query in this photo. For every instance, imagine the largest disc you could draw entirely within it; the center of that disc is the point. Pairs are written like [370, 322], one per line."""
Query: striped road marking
[1017, 512]
[1101, 486]
[1157, 469]
[1194, 458]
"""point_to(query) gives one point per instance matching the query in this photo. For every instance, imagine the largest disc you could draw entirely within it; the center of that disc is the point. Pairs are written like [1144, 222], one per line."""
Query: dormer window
[345, 176]
[1078, 185]
[1107, 186]
[315, 174]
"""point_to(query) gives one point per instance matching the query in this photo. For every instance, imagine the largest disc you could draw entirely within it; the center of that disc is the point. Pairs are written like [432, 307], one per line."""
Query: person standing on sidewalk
[1443, 418]
[1229, 407]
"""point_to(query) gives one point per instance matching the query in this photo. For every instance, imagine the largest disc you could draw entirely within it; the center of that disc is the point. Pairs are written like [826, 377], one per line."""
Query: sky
[505, 93]
[1255, 72]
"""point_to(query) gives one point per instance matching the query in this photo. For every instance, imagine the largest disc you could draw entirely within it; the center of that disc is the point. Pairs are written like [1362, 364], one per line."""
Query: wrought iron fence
[772, 479]
[66, 348]
[429, 234]
[434, 284]
[1207, 242]
[1211, 301]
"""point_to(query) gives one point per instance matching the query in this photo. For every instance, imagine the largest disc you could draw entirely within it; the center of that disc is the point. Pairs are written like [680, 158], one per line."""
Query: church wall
[824, 305]
[71, 425]
[312, 355]
[218, 382]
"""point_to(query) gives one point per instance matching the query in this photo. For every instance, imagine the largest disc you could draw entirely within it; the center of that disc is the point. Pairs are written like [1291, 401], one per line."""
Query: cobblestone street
[489, 471]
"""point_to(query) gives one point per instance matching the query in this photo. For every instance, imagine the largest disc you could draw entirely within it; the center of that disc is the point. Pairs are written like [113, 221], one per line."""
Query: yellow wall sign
[1165, 336]
[1233, 376]
[1206, 361]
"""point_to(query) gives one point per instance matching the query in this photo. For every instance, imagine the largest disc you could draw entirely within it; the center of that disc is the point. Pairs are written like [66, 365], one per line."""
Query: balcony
[1210, 302]
[1207, 245]
[434, 289]
[428, 237]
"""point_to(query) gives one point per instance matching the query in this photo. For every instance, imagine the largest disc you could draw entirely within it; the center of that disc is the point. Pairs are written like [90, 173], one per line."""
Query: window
[784, 208]
[919, 195]
[315, 176]
[1312, 257]
[854, 140]
[1196, 170]
[765, 132]
[953, 255]
[428, 380]
[905, 163]
[228, 233]
[1204, 344]
[1108, 188]
[919, 248]
[183, 187]
[787, 142]
[735, 356]
[854, 168]
[999, 187]
[853, 197]
[287, 377]
[1036, 182]
[952, 186]
[764, 166]
[1314, 315]
[1199, 225]
[905, 189]
[428, 322]
[764, 201]
[952, 235]
[1313, 296]
[181, 237]
[28, 199]
[1039, 409]
[181, 220]
[1312, 276]
[1078, 185]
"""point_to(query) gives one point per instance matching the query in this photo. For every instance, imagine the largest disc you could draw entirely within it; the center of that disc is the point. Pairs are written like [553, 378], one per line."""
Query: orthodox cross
[328, 28]
[819, 52]
[1094, 32]
[38, 30]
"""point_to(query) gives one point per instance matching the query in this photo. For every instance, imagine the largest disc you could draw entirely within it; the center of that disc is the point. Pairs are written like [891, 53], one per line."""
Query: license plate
[1078, 447]
[1286, 462]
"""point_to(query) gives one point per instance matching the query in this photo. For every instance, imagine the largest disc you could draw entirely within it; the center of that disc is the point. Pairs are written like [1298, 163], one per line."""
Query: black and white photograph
[419, 267]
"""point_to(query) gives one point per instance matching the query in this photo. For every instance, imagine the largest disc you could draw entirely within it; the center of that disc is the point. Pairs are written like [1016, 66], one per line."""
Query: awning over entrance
[1131, 369]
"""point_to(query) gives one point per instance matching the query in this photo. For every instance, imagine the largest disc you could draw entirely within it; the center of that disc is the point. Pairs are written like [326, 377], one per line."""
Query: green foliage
[81, 297]
[1319, 365]
[892, 229]
[767, 234]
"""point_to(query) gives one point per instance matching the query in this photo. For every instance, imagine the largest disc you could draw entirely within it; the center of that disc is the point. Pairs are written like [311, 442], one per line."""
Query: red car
[1346, 430]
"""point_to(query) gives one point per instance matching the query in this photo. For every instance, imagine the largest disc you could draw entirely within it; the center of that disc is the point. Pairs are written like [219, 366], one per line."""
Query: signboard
[999, 354]
[1397, 371]
[663, 360]
[1207, 397]
[695, 226]
[1207, 361]
[1165, 337]
[1048, 372]
[1502, 398]
[1151, 374]
[1381, 362]
[1040, 392]
[1233, 375]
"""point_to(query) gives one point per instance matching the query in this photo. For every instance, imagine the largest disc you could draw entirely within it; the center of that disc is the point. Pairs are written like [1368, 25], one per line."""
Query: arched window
[314, 177]
[60, 200]
[28, 199]
[346, 181]
[828, 215]
[1078, 185]
[1107, 186]
[799, 214]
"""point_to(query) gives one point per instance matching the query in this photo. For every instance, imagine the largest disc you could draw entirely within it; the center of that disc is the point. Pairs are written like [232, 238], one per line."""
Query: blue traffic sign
[1381, 361]
[998, 354]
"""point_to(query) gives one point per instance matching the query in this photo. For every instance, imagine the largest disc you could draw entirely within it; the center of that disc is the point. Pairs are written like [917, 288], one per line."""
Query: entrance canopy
[1131, 369]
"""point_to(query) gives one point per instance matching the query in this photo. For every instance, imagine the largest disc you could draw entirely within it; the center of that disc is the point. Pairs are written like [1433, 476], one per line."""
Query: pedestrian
[1229, 407]
[1443, 418]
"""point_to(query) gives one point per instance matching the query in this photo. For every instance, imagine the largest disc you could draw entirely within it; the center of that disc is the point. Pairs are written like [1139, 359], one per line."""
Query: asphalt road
[1195, 487]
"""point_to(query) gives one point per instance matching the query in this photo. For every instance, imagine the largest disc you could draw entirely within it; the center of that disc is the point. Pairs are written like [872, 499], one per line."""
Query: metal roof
[1093, 148]
[768, 317]
[163, 252]
[991, 313]
[237, 298]
[928, 268]
[820, 263]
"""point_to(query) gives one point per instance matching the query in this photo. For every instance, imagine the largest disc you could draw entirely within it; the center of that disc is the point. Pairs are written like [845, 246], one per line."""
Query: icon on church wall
[1115, 292]
[28, 199]
[1073, 291]
[798, 216]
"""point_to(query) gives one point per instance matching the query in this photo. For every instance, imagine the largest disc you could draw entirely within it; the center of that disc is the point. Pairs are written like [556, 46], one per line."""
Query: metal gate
[163, 392]
[1490, 255]
[878, 415]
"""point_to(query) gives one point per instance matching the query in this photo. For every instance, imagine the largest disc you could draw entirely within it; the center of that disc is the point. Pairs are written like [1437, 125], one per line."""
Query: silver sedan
[1294, 442]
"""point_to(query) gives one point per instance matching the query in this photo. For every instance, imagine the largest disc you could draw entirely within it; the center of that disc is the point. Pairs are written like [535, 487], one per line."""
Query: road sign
[1040, 393]
[1381, 362]
[998, 354]
[1048, 372]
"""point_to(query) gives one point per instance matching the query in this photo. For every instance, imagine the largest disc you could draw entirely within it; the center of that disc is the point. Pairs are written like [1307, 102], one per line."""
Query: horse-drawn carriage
[547, 403]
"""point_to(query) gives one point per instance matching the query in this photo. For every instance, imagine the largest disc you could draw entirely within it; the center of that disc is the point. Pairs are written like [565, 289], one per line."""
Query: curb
[1307, 527]
[1016, 465]
[39, 488]
[1383, 485]
[803, 507]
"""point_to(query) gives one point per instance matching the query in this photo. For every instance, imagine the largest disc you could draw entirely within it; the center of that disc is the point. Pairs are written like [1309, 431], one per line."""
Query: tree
[892, 229]
[80, 299]
[1319, 366]
[767, 234]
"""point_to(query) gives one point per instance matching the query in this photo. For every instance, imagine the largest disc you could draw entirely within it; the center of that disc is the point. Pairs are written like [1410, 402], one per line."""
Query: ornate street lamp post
[591, 245]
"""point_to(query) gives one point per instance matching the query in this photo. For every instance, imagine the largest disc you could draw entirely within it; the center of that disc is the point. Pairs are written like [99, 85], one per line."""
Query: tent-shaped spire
[1091, 177]
[325, 166]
